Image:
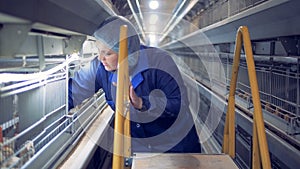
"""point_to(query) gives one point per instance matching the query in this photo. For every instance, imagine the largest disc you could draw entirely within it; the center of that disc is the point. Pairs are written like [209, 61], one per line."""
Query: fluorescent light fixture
[153, 4]
[152, 39]
[153, 19]
[152, 28]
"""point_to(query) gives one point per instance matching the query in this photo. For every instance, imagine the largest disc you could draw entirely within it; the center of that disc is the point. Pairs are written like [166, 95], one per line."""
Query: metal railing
[260, 152]
[25, 110]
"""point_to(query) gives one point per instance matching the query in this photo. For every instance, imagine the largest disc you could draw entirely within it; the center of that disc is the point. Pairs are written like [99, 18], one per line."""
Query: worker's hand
[135, 100]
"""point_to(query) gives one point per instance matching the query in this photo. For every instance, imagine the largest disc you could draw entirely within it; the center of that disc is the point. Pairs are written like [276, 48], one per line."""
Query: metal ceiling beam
[74, 15]
[137, 14]
[267, 20]
[178, 14]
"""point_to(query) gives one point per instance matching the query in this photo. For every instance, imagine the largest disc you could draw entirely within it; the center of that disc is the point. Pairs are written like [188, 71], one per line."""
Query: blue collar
[141, 66]
[135, 81]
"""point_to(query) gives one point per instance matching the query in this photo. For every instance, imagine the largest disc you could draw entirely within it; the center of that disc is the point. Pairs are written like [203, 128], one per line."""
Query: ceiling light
[152, 28]
[153, 19]
[153, 4]
[152, 40]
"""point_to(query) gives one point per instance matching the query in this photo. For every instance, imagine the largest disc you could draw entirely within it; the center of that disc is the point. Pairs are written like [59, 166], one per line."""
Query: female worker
[159, 110]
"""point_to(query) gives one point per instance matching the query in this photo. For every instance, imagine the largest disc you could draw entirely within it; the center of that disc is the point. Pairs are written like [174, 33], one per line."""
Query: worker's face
[108, 57]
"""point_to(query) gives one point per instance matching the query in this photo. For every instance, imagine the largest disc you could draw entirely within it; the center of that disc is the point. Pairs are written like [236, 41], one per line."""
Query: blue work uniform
[164, 124]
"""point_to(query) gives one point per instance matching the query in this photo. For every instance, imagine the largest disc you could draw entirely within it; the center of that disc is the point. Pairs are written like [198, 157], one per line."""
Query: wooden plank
[180, 161]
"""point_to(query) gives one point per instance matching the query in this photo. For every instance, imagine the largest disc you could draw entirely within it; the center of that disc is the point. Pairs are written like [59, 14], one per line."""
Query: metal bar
[33, 86]
[18, 85]
[106, 5]
[79, 153]
[1, 135]
[118, 160]
[287, 84]
[30, 82]
[258, 117]
[270, 80]
[137, 16]
[175, 15]
[27, 77]
[67, 84]
[40, 51]
[270, 96]
[44, 97]
[298, 88]
[36, 124]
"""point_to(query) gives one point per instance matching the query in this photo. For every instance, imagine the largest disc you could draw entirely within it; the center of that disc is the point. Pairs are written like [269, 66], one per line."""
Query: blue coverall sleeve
[167, 92]
[168, 100]
[82, 85]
